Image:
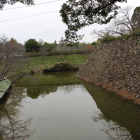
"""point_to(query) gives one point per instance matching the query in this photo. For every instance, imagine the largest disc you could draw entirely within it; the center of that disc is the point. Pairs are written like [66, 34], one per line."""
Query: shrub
[108, 38]
[136, 32]
[32, 45]
[61, 67]
[93, 43]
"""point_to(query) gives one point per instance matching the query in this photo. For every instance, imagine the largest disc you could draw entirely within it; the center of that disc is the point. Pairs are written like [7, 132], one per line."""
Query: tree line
[32, 45]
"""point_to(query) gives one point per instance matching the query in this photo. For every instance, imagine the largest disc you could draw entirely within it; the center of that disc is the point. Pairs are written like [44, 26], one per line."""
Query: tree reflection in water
[11, 127]
[42, 85]
[111, 128]
[69, 88]
[120, 119]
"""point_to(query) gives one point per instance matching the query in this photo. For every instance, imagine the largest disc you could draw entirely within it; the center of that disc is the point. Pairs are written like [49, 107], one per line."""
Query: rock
[137, 96]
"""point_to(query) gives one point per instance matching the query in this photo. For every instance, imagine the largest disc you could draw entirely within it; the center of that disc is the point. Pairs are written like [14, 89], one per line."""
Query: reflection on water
[41, 85]
[118, 116]
[64, 108]
[11, 126]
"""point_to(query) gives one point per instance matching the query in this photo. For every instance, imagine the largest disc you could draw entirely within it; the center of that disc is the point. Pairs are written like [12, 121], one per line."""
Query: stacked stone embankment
[116, 67]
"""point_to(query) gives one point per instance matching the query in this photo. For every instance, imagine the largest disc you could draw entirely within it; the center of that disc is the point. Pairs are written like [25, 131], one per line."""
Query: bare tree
[11, 58]
[100, 33]
[12, 127]
[123, 24]
[113, 129]
[120, 26]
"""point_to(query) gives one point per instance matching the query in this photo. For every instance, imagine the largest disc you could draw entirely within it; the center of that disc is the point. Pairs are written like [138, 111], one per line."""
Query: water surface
[58, 106]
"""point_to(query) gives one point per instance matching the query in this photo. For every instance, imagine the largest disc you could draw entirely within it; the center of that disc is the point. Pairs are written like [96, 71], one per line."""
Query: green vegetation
[50, 53]
[122, 27]
[110, 38]
[81, 13]
[49, 81]
[37, 64]
[15, 62]
[32, 45]
[61, 67]
[93, 43]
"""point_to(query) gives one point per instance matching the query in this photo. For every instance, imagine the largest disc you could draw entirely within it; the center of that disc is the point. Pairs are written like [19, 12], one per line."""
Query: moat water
[59, 106]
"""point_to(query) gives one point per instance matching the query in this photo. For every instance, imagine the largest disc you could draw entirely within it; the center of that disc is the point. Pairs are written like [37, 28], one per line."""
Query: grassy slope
[42, 62]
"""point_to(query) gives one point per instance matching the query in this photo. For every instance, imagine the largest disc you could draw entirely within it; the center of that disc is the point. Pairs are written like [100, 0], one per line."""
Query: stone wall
[116, 64]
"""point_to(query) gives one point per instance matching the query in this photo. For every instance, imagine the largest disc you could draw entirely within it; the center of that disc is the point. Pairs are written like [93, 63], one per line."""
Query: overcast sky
[48, 26]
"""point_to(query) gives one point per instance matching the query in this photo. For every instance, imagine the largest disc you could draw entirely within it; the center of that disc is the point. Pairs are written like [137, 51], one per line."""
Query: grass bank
[40, 63]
